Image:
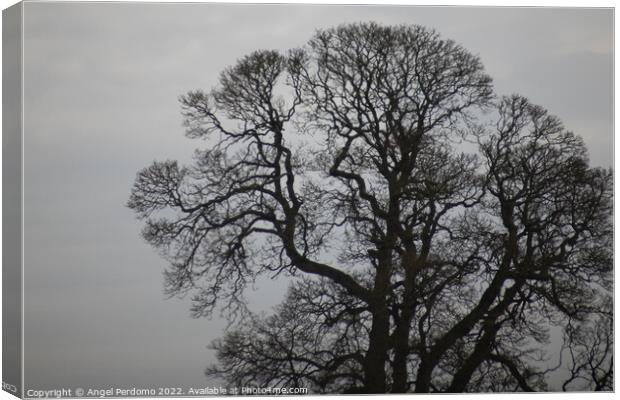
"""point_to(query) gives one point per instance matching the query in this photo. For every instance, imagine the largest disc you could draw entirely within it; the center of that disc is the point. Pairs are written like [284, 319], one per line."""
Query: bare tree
[430, 247]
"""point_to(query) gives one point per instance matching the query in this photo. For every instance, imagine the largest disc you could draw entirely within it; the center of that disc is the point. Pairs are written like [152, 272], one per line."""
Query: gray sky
[101, 88]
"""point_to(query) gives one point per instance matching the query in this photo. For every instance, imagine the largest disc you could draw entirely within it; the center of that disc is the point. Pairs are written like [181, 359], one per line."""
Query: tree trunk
[376, 357]
[482, 349]
[401, 336]
[423, 380]
[401, 352]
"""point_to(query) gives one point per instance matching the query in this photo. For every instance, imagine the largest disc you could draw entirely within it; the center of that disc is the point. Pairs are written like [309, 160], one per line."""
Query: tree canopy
[438, 237]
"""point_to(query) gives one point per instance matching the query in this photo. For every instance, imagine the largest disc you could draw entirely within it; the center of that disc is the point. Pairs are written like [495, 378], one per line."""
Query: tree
[434, 233]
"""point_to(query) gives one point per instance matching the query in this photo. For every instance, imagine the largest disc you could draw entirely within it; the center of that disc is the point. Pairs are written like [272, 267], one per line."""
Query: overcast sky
[101, 88]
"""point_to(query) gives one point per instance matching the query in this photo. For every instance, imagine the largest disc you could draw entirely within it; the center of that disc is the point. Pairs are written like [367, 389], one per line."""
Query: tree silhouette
[436, 236]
